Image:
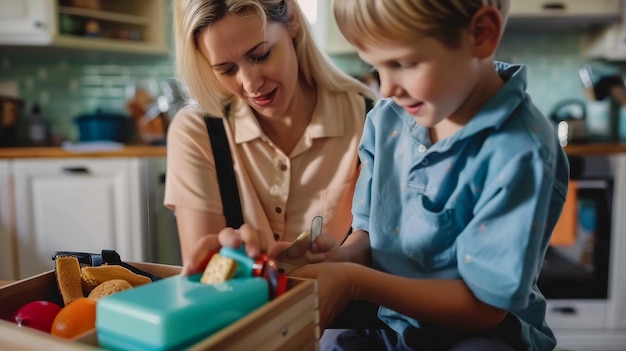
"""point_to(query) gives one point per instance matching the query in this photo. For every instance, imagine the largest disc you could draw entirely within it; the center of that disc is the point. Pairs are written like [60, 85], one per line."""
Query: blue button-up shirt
[478, 206]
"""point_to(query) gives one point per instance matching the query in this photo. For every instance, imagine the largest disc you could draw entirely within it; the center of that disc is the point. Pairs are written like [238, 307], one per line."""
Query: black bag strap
[225, 172]
[369, 104]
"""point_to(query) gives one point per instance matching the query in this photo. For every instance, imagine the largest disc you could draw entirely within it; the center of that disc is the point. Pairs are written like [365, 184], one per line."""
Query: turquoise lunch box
[175, 312]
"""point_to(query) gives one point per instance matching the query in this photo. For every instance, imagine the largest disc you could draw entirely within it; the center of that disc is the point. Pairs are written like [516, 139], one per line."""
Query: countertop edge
[57, 152]
[587, 149]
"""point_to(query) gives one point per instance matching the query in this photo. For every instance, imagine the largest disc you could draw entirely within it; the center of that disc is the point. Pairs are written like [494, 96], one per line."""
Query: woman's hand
[197, 260]
[254, 241]
[334, 287]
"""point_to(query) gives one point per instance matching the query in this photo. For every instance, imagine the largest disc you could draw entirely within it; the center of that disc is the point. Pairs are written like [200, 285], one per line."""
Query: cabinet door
[6, 234]
[27, 21]
[76, 205]
[335, 42]
[584, 8]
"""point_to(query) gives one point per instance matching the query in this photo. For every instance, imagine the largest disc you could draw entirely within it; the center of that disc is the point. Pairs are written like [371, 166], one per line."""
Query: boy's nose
[388, 88]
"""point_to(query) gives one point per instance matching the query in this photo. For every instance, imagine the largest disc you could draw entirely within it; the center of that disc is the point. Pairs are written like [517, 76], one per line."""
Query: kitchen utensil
[586, 77]
[569, 117]
[104, 126]
[11, 111]
[152, 114]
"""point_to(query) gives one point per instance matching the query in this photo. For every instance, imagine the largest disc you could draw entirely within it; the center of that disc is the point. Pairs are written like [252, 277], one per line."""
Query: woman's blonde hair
[381, 20]
[194, 71]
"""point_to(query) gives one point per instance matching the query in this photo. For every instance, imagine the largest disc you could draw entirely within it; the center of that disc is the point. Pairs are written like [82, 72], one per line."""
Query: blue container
[103, 126]
[175, 312]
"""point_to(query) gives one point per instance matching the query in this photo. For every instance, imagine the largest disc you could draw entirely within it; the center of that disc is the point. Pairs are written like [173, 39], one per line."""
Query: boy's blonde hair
[381, 20]
[190, 17]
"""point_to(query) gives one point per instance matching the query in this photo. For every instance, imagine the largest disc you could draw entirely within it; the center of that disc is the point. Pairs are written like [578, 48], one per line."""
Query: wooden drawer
[290, 322]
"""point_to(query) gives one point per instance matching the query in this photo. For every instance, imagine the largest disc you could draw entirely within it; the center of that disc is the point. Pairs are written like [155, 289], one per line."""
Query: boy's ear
[486, 30]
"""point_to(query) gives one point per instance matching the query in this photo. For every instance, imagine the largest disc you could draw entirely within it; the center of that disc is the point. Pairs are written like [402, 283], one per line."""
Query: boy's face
[430, 80]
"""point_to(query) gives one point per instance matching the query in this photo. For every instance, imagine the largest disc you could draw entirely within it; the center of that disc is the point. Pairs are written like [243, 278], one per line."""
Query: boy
[462, 182]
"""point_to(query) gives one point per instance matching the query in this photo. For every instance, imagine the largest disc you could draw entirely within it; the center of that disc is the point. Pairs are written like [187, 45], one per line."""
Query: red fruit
[37, 314]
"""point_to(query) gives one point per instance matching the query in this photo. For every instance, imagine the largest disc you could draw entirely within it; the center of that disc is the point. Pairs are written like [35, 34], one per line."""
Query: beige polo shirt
[279, 193]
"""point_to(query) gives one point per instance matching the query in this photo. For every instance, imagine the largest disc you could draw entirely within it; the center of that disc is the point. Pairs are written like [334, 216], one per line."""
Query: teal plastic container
[175, 312]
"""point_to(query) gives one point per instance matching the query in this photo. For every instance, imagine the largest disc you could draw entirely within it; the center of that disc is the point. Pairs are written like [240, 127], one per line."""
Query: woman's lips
[266, 99]
[413, 109]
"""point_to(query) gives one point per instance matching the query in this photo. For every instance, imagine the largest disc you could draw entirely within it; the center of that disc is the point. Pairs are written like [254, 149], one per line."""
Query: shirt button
[283, 167]
[276, 236]
[468, 259]
[421, 148]
[279, 210]
[425, 162]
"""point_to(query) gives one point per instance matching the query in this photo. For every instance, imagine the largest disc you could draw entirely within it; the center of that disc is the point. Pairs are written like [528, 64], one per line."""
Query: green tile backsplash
[67, 84]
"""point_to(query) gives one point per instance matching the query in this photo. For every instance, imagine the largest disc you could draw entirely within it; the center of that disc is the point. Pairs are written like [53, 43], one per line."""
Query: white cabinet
[107, 25]
[76, 204]
[27, 20]
[335, 42]
[562, 15]
[564, 8]
[6, 224]
[607, 43]
[327, 34]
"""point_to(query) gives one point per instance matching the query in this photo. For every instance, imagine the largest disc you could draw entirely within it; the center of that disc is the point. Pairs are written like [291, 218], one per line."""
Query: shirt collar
[502, 105]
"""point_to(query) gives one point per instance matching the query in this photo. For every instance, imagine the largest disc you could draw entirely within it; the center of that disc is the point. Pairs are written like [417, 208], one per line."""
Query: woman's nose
[250, 78]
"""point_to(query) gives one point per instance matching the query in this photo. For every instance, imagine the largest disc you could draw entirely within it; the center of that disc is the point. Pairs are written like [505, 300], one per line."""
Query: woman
[292, 119]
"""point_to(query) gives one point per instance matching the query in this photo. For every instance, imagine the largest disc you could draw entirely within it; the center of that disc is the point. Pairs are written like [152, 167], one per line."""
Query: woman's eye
[261, 57]
[229, 71]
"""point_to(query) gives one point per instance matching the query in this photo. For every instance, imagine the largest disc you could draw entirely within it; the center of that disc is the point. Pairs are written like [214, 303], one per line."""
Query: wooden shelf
[590, 149]
[106, 16]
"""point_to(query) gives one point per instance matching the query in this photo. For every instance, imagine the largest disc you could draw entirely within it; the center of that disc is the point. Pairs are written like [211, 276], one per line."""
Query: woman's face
[256, 63]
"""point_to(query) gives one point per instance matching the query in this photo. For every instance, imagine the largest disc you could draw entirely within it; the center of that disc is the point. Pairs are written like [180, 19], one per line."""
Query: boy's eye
[401, 65]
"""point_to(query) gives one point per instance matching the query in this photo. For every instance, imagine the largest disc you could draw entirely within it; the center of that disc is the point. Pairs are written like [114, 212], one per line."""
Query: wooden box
[290, 322]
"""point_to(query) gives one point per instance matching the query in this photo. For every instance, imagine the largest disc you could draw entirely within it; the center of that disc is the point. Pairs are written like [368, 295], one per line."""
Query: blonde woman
[292, 122]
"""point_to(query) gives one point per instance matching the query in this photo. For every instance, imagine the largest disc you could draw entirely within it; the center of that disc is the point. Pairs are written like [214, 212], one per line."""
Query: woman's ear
[294, 20]
[486, 30]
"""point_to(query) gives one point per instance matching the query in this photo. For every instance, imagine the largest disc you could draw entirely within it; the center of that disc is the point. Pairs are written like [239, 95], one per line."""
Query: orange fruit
[75, 318]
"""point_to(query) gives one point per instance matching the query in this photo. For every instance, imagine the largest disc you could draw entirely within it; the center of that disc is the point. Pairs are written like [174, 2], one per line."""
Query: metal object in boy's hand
[294, 256]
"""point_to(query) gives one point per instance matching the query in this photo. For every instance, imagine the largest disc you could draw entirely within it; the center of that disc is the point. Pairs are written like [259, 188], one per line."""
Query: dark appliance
[11, 111]
[579, 269]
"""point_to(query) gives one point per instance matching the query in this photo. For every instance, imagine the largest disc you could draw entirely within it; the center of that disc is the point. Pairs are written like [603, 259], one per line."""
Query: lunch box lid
[175, 312]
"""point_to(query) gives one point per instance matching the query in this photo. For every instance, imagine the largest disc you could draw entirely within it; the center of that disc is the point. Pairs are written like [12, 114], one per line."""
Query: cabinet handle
[564, 310]
[553, 6]
[162, 178]
[76, 170]
[40, 24]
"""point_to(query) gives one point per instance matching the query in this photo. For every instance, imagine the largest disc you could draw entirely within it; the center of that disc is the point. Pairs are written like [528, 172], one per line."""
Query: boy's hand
[323, 249]
[334, 287]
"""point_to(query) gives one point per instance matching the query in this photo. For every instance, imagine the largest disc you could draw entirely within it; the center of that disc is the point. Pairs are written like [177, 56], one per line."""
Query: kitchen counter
[589, 149]
[57, 152]
[160, 151]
